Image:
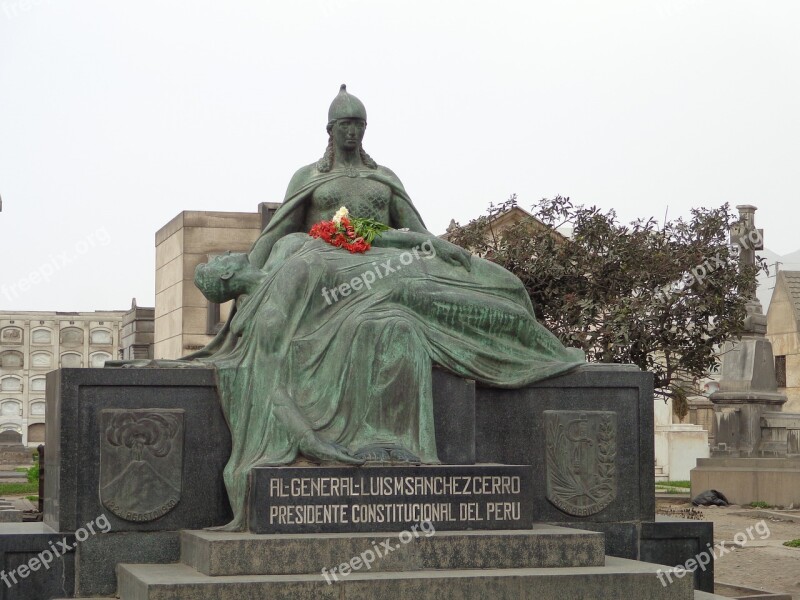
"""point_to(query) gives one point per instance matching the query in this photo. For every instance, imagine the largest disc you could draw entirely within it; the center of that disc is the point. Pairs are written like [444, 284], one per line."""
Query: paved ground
[762, 564]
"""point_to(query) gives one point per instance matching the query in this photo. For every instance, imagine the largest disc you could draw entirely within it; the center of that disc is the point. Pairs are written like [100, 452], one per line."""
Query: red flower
[341, 237]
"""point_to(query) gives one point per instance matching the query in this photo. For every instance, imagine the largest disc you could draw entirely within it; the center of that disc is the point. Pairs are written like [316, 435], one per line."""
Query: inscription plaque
[141, 460]
[581, 460]
[389, 498]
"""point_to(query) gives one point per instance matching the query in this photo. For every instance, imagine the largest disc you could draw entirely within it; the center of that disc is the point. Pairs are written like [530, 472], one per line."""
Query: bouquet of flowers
[352, 234]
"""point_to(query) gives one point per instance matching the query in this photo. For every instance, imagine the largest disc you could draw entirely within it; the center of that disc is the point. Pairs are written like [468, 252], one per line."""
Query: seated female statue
[328, 355]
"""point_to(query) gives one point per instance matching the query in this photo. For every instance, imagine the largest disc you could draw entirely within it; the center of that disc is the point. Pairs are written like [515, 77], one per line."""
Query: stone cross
[748, 238]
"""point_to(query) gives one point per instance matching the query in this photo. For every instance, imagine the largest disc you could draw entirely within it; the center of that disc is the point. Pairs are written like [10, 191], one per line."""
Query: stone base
[697, 596]
[509, 427]
[619, 578]
[216, 553]
[543, 563]
[10, 515]
[97, 557]
[21, 543]
[672, 541]
[775, 481]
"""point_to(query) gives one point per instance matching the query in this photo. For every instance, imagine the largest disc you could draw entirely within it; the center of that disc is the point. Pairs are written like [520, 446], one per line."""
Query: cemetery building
[184, 320]
[35, 343]
[783, 330]
[136, 333]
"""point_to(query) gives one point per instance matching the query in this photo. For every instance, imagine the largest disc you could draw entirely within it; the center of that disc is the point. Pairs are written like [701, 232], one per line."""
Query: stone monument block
[591, 427]
[99, 463]
[671, 541]
[24, 550]
[144, 447]
[389, 498]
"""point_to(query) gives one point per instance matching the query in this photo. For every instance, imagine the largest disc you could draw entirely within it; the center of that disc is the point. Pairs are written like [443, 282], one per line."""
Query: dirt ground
[761, 564]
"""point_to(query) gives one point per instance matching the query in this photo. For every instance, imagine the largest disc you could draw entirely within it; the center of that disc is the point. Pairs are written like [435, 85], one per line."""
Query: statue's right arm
[281, 224]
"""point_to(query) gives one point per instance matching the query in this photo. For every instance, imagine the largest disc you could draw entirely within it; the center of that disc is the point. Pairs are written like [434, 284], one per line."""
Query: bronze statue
[328, 354]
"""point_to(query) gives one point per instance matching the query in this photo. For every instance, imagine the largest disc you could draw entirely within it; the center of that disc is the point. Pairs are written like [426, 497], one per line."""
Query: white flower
[340, 214]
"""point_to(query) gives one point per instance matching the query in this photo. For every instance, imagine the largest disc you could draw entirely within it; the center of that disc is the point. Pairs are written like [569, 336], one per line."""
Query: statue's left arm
[403, 215]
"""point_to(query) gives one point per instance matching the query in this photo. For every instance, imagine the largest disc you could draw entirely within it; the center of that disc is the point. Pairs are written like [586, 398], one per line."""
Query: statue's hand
[455, 255]
[314, 447]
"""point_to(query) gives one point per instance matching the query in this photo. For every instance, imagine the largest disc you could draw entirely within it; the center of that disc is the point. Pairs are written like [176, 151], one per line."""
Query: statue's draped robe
[358, 367]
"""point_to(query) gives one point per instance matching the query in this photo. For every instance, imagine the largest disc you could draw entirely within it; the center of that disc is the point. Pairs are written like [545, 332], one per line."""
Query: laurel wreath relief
[582, 493]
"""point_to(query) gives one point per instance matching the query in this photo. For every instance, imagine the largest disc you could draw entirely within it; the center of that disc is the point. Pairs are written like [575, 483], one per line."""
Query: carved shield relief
[141, 462]
[581, 451]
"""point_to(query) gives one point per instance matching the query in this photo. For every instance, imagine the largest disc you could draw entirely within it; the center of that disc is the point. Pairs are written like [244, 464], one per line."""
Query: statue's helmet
[346, 106]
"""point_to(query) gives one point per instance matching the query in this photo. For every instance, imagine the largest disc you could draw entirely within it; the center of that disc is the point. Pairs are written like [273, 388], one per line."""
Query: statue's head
[217, 278]
[347, 122]
[346, 106]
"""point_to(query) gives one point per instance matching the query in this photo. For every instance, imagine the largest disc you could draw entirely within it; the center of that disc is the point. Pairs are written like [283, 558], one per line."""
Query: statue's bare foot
[314, 447]
[386, 454]
[399, 454]
[373, 454]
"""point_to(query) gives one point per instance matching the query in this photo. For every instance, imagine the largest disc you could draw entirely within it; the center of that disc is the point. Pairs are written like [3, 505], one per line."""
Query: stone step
[217, 553]
[620, 578]
[697, 596]
[10, 515]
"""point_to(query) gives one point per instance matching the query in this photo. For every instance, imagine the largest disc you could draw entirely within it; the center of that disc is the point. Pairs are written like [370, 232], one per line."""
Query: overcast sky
[116, 116]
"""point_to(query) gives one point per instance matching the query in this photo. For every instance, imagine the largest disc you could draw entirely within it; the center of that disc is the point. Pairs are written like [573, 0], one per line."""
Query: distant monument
[756, 451]
[747, 387]
[12, 452]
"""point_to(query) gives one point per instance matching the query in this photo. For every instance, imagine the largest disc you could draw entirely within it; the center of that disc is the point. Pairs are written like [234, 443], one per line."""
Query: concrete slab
[10, 515]
[775, 481]
[217, 553]
[620, 578]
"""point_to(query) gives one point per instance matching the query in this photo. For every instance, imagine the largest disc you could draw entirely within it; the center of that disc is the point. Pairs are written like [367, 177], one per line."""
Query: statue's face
[348, 133]
[217, 278]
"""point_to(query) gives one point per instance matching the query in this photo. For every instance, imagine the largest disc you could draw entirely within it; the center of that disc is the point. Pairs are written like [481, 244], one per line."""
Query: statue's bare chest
[363, 197]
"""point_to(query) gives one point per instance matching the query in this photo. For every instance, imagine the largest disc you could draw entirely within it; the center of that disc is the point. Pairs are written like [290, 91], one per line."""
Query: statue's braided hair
[325, 164]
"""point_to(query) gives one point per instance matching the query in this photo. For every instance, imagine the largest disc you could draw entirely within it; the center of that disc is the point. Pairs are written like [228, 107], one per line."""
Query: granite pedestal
[590, 427]
[78, 400]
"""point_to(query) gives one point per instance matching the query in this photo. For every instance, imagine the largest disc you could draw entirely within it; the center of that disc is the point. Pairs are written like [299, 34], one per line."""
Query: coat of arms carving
[141, 462]
[581, 449]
